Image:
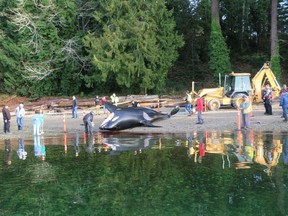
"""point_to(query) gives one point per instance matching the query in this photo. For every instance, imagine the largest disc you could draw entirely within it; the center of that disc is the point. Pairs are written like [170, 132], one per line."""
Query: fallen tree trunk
[61, 104]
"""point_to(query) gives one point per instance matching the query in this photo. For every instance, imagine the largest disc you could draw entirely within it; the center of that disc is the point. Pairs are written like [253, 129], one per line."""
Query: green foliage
[255, 60]
[276, 66]
[219, 54]
[193, 20]
[135, 42]
[131, 46]
[38, 48]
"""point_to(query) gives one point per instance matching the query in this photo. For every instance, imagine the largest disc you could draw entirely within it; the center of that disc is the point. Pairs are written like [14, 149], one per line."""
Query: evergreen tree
[276, 65]
[275, 58]
[39, 34]
[10, 53]
[219, 53]
[135, 42]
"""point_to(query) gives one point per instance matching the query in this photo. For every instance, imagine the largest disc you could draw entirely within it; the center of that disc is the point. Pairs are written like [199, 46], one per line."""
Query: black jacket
[88, 117]
[6, 114]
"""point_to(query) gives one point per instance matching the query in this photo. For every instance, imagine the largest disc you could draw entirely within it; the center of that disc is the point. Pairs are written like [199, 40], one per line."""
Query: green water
[152, 175]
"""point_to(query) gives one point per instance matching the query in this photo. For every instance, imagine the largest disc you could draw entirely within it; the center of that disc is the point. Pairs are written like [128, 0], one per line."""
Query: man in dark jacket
[88, 122]
[267, 97]
[6, 118]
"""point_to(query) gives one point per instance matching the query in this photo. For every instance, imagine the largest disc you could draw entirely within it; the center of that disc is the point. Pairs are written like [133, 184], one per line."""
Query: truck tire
[214, 105]
[237, 99]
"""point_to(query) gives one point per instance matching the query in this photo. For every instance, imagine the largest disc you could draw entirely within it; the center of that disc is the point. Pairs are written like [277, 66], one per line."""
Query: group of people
[38, 119]
[19, 113]
[245, 106]
[199, 107]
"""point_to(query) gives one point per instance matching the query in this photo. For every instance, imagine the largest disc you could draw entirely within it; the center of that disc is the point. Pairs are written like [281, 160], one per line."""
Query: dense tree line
[67, 47]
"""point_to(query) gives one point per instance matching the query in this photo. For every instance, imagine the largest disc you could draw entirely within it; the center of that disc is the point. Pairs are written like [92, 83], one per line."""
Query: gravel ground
[222, 120]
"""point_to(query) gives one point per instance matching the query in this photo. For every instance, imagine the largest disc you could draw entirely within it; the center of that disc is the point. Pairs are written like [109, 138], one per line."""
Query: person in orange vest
[199, 107]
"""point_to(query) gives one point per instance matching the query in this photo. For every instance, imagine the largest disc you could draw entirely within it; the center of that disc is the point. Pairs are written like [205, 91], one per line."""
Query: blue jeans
[285, 110]
[74, 112]
[188, 107]
[19, 121]
[200, 118]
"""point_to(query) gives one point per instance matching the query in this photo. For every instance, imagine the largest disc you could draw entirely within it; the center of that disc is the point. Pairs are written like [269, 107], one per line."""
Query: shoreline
[223, 120]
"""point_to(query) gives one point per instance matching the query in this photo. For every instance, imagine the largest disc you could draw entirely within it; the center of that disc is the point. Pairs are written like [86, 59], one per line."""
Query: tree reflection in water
[206, 173]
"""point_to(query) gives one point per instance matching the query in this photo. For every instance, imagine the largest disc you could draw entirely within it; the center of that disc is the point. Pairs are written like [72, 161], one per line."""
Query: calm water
[209, 173]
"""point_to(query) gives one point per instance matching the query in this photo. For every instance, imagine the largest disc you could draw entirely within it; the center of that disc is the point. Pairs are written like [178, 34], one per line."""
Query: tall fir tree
[218, 51]
[136, 43]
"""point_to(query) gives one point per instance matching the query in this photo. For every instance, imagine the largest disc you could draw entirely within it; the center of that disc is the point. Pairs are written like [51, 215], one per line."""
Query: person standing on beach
[114, 99]
[97, 104]
[74, 107]
[199, 105]
[102, 102]
[283, 93]
[6, 117]
[284, 104]
[246, 108]
[267, 97]
[188, 105]
[19, 113]
[42, 122]
[36, 123]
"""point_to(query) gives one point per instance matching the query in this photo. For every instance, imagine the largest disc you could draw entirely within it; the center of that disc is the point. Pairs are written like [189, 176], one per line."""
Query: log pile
[61, 104]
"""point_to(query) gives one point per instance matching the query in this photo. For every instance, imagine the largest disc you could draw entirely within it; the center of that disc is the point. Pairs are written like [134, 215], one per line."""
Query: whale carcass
[129, 117]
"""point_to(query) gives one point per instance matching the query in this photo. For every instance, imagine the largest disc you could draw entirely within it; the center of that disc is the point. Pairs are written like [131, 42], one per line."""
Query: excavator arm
[264, 76]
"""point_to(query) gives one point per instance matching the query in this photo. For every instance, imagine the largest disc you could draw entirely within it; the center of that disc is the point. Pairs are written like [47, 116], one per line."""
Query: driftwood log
[61, 104]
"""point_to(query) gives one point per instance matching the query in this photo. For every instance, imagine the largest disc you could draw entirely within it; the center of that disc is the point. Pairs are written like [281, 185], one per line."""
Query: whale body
[129, 117]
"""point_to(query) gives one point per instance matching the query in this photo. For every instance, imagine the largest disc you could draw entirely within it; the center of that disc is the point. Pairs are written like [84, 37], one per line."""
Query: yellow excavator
[238, 84]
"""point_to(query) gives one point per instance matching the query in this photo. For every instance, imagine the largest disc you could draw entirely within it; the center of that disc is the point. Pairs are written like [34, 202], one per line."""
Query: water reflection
[196, 146]
[39, 147]
[8, 152]
[285, 151]
[22, 154]
[239, 150]
[76, 144]
[90, 142]
[203, 173]
[118, 144]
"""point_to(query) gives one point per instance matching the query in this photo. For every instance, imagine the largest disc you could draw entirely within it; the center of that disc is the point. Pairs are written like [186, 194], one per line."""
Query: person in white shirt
[20, 112]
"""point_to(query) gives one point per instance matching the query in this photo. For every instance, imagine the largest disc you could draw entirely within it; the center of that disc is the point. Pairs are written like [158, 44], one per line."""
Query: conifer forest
[89, 47]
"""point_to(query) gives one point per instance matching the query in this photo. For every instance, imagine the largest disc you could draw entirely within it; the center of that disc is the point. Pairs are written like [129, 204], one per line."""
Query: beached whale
[129, 117]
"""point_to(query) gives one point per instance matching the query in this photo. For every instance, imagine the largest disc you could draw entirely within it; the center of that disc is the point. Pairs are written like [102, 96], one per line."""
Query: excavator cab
[236, 85]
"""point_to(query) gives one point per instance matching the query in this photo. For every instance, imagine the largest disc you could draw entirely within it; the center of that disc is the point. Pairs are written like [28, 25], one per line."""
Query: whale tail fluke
[174, 111]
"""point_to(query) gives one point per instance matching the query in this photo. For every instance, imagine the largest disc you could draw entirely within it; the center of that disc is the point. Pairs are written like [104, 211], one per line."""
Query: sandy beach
[223, 120]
